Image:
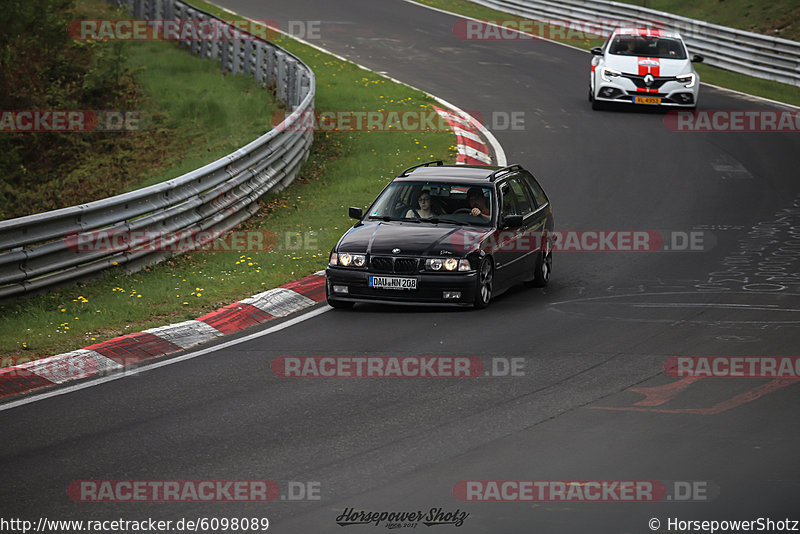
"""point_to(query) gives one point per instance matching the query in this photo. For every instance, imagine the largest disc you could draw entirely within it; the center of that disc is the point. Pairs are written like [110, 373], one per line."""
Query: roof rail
[438, 163]
[496, 174]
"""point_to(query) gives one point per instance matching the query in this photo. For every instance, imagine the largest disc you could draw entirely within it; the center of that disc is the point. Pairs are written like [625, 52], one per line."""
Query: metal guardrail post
[248, 54]
[272, 62]
[291, 84]
[236, 57]
[259, 73]
[280, 82]
[224, 63]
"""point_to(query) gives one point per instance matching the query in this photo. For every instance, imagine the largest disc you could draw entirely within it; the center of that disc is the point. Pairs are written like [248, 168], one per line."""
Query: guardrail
[38, 251]
[740, 51]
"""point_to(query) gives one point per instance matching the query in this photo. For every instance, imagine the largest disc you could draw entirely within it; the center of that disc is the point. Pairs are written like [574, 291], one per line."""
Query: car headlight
[345, 259]
[447, 264]
[434, 264]
[687, 79]
[607, 73]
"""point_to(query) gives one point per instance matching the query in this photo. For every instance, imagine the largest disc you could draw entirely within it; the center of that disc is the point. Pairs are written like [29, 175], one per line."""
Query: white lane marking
[186, 334]
[503, 28]
[499, 153]
[162, 363]
[760, 307]
[748, 96]
[693, 293]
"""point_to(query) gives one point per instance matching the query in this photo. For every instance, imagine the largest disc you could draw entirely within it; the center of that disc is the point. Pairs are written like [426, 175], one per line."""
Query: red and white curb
[130, 349]
[471, 148]
[115, 354]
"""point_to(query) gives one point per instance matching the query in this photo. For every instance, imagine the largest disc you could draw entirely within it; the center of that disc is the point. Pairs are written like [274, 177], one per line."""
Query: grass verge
[344, 169]
[187, 120]
[702, 10]
[778, 18]
[191, 99]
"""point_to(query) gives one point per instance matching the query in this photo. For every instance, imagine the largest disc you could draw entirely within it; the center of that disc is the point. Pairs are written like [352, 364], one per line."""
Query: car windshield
[647, 46]
[434, 203]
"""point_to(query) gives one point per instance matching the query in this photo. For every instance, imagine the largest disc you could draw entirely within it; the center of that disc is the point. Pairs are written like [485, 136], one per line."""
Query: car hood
[411, 238]
[643, 65]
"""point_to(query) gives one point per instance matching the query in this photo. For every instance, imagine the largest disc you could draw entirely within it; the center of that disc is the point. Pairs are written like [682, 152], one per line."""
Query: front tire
[483, 291]
[544, 266]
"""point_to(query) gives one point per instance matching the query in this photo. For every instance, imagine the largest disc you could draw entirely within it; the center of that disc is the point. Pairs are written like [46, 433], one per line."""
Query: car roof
[471, 174]
[652, 32]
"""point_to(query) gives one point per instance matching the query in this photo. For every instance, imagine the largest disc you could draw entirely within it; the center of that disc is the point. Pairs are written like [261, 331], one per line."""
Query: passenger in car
[426, 210]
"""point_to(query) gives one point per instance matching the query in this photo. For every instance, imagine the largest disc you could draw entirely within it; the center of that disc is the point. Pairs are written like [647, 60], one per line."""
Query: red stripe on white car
[648, 65]
[649, 32]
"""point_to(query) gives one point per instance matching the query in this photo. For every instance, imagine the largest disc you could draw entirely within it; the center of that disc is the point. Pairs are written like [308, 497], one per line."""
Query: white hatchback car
[644, 66]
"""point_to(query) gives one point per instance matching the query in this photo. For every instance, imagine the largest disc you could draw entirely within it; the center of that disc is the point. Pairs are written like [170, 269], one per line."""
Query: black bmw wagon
[445, 235]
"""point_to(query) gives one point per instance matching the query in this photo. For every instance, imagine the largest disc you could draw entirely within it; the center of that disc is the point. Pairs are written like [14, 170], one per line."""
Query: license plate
[646, 100]
[392, 282]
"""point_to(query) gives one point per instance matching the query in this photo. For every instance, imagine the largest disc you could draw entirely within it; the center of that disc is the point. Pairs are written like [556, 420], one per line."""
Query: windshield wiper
[388, 218]
[451, 221]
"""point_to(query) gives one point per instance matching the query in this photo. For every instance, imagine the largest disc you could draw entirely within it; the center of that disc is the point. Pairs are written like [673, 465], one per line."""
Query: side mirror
[355, 213]
[596, 51]
[512, 221]
[697, 58]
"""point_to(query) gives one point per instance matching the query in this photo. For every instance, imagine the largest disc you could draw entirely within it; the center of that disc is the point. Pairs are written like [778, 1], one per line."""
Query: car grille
[405, 265]
[384, 264]
[658, 81]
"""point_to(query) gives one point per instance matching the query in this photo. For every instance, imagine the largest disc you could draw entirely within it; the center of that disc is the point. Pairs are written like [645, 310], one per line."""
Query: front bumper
[430, 288]
[623, 90]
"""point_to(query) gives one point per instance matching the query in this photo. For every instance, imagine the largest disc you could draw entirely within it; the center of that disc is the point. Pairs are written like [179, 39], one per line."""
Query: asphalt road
[605, 325]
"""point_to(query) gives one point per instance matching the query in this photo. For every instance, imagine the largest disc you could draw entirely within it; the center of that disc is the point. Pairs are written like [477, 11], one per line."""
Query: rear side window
[509, 201]
[523, 197]
[536, 189]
